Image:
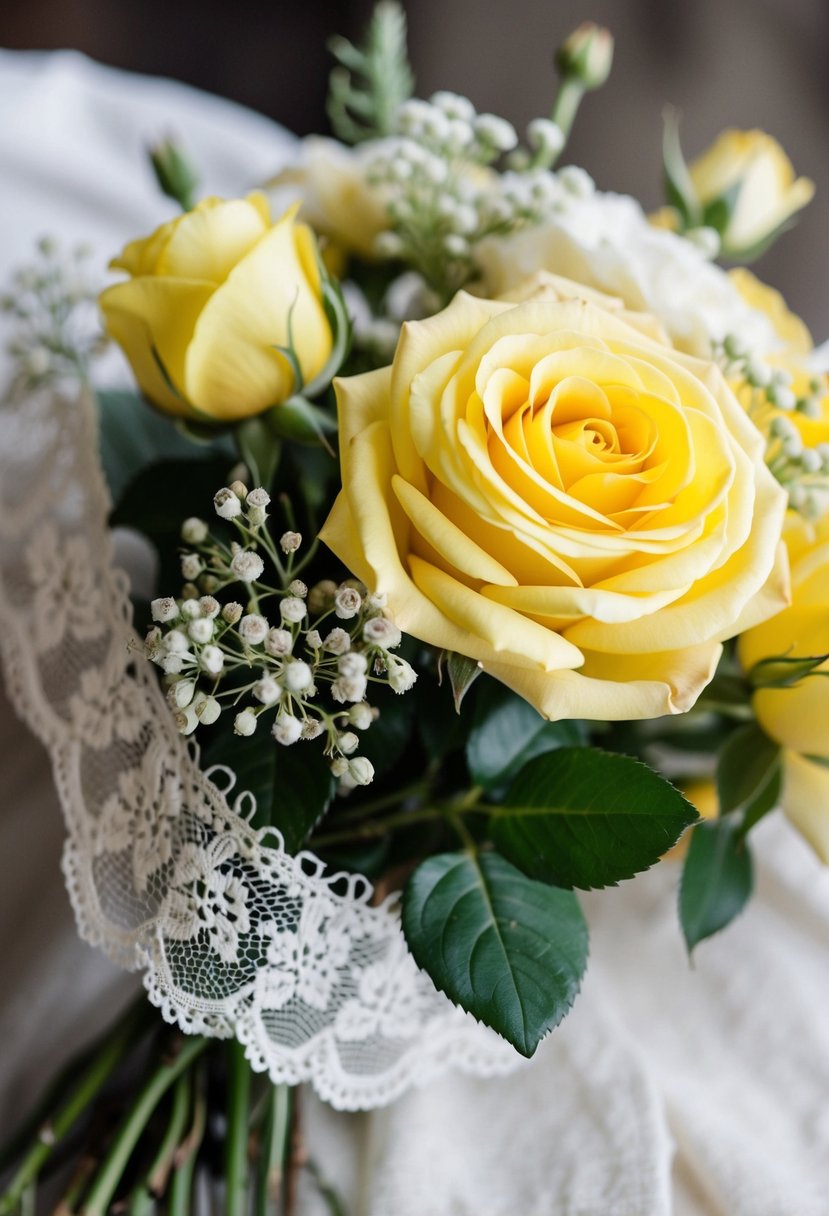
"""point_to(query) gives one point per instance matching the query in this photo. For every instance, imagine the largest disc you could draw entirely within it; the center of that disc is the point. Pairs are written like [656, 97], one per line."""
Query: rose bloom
[754, 178]
[549, 488]
[331, 183]
[209, 298]
[798, 717]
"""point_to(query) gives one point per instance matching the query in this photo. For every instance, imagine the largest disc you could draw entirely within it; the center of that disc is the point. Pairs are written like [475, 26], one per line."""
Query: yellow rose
[211, 296]
[331, 184]
[751, 175]
[546, 488]
[798, 717]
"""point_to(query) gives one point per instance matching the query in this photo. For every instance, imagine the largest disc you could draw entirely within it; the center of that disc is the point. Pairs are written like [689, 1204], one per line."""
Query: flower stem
[566, 104]
[103, 1188]
[181, 1187]
[88, 1086]
[236, 1144]
[275, 1150]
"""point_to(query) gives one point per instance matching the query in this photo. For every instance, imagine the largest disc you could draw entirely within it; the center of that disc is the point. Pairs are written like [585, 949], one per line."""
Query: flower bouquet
[488, 521]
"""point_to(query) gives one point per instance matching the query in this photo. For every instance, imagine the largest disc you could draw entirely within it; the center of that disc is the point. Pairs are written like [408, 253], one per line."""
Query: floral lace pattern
[165, 874]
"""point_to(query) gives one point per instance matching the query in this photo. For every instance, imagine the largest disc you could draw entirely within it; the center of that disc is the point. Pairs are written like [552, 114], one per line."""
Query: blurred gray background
[742, 63]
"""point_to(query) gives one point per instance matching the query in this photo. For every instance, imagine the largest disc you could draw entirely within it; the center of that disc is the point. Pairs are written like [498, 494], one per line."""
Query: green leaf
[133, 436]
[717, 880]
[292, 786]
[508, 950]
[745, 765]
[784, 671]
[679, 188]
[507, 732]
[373, 81]
[765, 800]
[462, 672]
[580, 817]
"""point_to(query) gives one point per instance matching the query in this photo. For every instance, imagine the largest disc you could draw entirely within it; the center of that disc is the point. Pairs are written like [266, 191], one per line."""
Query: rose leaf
[580, 817]
[508, 950]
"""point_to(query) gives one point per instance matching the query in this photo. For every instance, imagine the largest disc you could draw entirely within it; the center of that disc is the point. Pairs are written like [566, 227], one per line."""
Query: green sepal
[300, 421]
[260, 448]
[462, 672]
[508, 950]
[581, 817]
[783, 672]
[341, 331]
[679, 188]
[717, 880]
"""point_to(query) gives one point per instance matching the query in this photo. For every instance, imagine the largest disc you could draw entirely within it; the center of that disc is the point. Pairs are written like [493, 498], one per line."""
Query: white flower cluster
[301, 658]
[773, 405]
[52, 306]
[444, 194]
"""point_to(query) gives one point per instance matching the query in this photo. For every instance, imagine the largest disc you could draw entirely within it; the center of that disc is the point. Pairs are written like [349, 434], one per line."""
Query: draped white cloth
[670, 1090]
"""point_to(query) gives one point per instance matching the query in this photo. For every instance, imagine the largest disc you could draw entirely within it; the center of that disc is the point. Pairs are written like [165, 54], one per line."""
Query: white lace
[164, 871]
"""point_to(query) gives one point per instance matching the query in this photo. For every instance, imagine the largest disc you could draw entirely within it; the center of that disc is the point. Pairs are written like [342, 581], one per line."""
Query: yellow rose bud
[746, 188]
[797, 717]
[552, 490]
[211, 295]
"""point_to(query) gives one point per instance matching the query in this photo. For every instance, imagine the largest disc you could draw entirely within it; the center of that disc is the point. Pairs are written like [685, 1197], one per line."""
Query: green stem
[275, 1151]
[159, 1171]
[376, 827]
[181, 1187]
[107, 1056]
[566, 105]
[103, 1188]
[236, 1144]
[366, 809]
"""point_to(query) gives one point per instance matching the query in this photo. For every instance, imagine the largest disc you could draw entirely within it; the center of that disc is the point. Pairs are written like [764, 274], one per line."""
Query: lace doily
[163, 868]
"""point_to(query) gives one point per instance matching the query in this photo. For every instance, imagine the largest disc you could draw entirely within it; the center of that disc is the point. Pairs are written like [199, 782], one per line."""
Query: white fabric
[728, 1062]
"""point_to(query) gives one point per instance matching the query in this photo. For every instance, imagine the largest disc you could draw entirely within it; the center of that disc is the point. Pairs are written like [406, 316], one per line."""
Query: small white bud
[313, 639]
[348, 743]
[278, 643]
[546, 134]
[258, 498]
[194, 531]
[289, 542]
[186, 720]
[181, 693]
[267, 690]
[239, 488]
[176, 642]
[349, 688]
[338, 641]
[496, 131]
[455, 245]
[361, 770]
[298, 676]
[212, 660]
[292, 609]
[245, 723]
[247, 566]
[253, 629]
[453, 105]
[347, 603]
[361, 716]
[164, 609]
[352, 664]
[172, 664]
[227, 504]
[191, 610]
[380, 631]
[402, 675]
[757, 373]
[810, 461]
[339, 767]
[286, 729]
[576, 181]
[201, 631]
[298, 588]
[232, 612]
[209, 606]
[207, 709]
[312, 728]
[388, 245]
